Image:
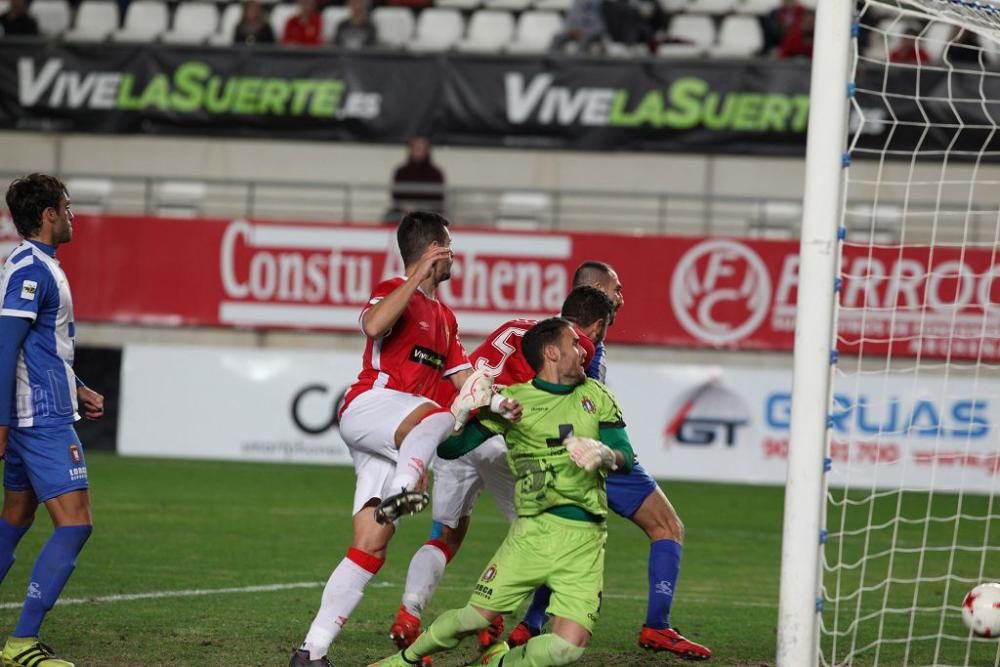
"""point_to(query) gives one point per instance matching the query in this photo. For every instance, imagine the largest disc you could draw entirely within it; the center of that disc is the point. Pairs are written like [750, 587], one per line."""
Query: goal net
[911, 521]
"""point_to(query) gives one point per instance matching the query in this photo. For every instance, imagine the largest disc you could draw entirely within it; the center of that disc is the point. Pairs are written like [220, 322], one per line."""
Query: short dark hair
[28, 197]
[586, 305]
[546, 332]
[590, 272]
[417, 230]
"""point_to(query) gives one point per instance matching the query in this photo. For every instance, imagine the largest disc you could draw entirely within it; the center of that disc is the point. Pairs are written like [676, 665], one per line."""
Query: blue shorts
[45, 459]
[627, 492]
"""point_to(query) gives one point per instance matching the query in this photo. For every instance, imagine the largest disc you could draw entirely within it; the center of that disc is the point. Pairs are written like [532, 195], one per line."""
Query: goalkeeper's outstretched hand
[590, 454]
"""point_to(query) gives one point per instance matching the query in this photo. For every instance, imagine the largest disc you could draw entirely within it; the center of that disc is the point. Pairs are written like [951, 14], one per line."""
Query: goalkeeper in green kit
[571, 435]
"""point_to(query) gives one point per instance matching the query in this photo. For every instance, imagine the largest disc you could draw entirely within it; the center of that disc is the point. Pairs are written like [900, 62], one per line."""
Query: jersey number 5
[502, 344]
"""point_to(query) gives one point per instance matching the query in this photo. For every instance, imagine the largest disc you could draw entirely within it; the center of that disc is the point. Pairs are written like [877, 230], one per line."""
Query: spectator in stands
[633, 21]
[17, 22]
[253, 28]
[909, 52]
[781, 21]
[419, 171]
[584, 28]
[963, 47]
[357, 31]
[305, 28]
[798, 41]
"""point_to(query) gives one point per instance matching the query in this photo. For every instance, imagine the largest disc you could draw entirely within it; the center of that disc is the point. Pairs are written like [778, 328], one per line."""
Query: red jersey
[421, 349]
[308, 32]
[500, 356]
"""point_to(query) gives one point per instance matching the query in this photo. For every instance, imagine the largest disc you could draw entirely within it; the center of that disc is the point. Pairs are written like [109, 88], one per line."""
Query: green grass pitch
[168, 526]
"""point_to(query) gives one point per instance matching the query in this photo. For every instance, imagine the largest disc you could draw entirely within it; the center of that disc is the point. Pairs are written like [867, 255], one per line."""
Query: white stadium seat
[739, 37]
[194, 23]
[145, 21]
[535, 31]
[697, 31]
[332, 16]
[95, 20]
[181, 199]
[510, 5]
[89, 195]
[52, 16]
[395, 25]
[231, 16]
[553, 5]
[758, 7]
[489, 31]
[466, 5]
[674, 6]
[279, 17]
[437, 30]
[524, 210]
[711, 6]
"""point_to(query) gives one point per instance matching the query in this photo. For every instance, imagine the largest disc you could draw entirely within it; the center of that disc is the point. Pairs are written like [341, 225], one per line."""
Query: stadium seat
[394, 24]
[194, 23]
[90, 195]
[52, 16]
[535, 31]
[279, 17]
[95, 20]
[553, 5]
[465, 5]
[711, 6]
[145, 21]
[437, 30]
[509, 5]
[181, 199]
[231, 16]
[739, 37]
[696, 35]
[332, 16]
[524, 210]
[489, 31]
[758, 7]
[675, 6]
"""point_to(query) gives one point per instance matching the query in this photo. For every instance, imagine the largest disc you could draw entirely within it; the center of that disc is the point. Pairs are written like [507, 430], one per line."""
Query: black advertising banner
[741, 107]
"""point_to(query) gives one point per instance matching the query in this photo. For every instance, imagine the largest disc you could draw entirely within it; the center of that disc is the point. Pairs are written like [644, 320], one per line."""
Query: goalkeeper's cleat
[29, 652]
[521, 634]
[493, 656]
[300, 658]
[475, 393]
[670, 639]
[401, 504]
[405, 630]
[396, 660]
[491, 634]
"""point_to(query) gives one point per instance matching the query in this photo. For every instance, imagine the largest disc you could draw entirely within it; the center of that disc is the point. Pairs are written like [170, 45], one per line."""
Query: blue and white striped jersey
[33, 286]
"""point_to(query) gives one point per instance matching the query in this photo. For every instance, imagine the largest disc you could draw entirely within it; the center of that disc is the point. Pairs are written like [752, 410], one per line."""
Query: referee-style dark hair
[546, 332]
[28, 197]
[586, 305]
[590, 272]
[417, 230]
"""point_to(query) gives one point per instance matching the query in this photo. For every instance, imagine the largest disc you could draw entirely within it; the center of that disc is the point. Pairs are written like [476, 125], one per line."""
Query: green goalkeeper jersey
[546, 478]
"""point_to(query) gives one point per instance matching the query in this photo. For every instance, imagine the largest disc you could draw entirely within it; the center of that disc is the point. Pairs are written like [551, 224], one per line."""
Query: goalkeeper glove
[590, 454]
[474, 394]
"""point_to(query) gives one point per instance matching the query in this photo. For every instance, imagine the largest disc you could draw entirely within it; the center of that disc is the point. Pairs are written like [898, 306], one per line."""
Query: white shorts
[458, 483]
[368, 427]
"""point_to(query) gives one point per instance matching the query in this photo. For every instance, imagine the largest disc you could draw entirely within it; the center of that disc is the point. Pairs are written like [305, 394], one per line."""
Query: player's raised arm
[380, 316]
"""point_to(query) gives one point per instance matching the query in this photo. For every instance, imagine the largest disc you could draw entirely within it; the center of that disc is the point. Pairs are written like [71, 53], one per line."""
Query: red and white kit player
[389, 420]
[459, 482]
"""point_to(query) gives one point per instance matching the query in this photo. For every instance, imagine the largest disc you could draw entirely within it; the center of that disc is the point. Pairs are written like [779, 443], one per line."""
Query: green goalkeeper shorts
[565, 555]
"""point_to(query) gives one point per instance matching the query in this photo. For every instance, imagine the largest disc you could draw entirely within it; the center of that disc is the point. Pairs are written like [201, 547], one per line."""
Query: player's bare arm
[91, 402]
[380, 317]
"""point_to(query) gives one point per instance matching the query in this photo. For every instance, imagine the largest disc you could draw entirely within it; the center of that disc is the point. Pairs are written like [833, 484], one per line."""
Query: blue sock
[53, 566]
[664, 568]
[536, 618]
[9, 537]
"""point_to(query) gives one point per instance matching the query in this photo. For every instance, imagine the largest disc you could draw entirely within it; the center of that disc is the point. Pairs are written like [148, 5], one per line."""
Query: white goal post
[894, 459]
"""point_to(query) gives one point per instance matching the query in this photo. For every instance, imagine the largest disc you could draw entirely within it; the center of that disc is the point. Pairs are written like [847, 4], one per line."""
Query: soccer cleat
[405, 630]
[300, 658]
[490, 635]
[29, 652]
[403, 503]
[493, 656]
[475, 393]
[521, 634]
[670, 639]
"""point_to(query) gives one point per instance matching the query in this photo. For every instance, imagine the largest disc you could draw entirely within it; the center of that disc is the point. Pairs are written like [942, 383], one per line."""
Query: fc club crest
[74, 454]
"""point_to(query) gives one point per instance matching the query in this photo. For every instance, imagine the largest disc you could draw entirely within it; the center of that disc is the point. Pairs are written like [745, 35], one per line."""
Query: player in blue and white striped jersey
[40, 399]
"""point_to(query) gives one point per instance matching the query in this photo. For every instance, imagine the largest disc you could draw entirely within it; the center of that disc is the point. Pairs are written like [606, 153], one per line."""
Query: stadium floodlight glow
[890, 509]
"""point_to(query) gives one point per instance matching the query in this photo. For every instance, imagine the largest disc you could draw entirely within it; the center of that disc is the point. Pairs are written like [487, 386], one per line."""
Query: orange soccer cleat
[405, 630]
[491, 635]
[669, 639]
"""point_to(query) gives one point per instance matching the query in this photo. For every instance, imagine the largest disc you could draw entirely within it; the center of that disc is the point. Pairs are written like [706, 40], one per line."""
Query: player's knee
[659, 519]
[562, 652]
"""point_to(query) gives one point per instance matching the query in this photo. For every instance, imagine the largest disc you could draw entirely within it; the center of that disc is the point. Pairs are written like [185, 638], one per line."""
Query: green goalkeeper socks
[543, 651]
[447, 631]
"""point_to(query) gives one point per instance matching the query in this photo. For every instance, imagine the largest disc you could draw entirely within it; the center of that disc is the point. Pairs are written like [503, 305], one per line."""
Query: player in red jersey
[458, 482]
[389, 414]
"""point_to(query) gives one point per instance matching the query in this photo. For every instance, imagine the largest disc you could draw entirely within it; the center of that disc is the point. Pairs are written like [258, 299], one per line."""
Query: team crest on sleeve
[490, 573]
[588, 405]
[28, 290]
